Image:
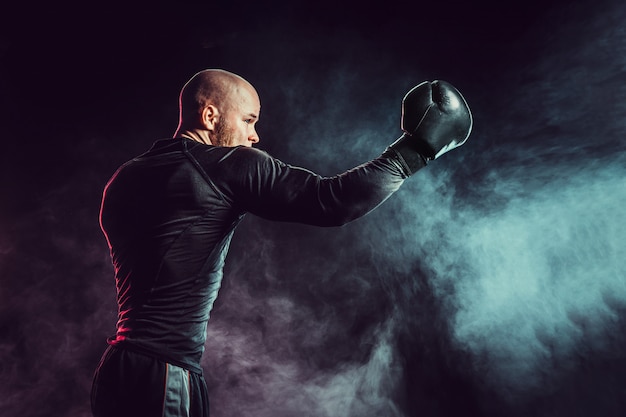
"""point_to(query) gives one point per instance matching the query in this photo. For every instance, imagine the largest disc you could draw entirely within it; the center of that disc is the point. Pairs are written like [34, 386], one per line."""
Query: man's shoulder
[244, 158]
[228, 161]
[248, 152]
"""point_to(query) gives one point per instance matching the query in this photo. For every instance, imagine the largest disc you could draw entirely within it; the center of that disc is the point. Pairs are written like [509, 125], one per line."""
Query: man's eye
[248, 121]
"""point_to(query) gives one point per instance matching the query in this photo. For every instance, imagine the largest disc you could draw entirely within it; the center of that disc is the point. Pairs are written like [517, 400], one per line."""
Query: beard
[223, 134]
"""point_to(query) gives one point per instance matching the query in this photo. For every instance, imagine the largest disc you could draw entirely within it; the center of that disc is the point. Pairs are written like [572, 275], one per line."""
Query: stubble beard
[223, 134]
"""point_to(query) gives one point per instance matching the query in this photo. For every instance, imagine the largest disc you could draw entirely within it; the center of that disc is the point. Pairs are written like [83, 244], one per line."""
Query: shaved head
[210, 87]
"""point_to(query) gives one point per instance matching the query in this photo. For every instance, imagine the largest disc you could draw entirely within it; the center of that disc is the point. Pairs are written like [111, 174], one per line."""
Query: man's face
[236, 125]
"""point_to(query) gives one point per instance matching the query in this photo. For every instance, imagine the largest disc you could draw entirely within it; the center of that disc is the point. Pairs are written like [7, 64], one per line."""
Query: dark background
[492, 284]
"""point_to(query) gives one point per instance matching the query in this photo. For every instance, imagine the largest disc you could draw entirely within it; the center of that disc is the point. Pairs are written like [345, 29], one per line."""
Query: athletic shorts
[127, 383]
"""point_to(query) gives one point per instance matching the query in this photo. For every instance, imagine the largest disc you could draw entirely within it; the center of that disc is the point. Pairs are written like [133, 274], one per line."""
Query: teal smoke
[541, 280]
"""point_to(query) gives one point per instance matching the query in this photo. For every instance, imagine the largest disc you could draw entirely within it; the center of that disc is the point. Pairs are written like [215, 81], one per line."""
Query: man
[169, 215]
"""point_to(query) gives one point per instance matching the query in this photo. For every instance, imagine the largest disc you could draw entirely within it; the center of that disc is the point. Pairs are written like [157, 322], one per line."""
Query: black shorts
[127, 383]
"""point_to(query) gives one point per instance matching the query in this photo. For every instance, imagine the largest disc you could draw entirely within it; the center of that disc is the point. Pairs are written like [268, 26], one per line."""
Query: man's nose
[254, 137]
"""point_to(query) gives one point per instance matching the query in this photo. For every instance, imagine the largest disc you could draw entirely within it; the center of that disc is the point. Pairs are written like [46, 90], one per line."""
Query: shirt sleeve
[267, 187]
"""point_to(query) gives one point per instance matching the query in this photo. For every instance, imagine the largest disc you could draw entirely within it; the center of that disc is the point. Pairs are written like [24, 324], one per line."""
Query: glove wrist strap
[411, 153]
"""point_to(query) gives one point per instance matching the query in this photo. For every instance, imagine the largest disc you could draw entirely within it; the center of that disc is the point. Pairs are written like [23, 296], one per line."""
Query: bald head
[209, 98]
[210, 87]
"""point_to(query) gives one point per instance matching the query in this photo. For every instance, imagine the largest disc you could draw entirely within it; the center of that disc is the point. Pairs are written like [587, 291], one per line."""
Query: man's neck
[201, 136]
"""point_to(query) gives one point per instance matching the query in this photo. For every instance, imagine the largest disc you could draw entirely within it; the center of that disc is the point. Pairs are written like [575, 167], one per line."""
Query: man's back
[168, 228]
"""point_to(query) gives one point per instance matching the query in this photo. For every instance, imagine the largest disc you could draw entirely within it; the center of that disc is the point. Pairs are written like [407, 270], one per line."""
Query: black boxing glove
[435, 120]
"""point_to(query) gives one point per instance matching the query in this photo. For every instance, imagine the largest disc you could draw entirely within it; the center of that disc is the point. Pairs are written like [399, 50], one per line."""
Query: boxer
[169, 214]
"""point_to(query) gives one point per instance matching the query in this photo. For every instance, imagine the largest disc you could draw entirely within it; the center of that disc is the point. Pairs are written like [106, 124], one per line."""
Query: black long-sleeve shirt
[169, 215]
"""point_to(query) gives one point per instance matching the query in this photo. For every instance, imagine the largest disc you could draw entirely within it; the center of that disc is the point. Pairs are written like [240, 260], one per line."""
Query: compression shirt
[170, 213]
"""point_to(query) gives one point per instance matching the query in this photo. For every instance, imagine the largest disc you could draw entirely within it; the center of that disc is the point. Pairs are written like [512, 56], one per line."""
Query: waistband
[197, 369]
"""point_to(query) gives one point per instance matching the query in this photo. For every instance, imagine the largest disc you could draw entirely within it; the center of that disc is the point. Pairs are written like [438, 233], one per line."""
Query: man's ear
[209, 117]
